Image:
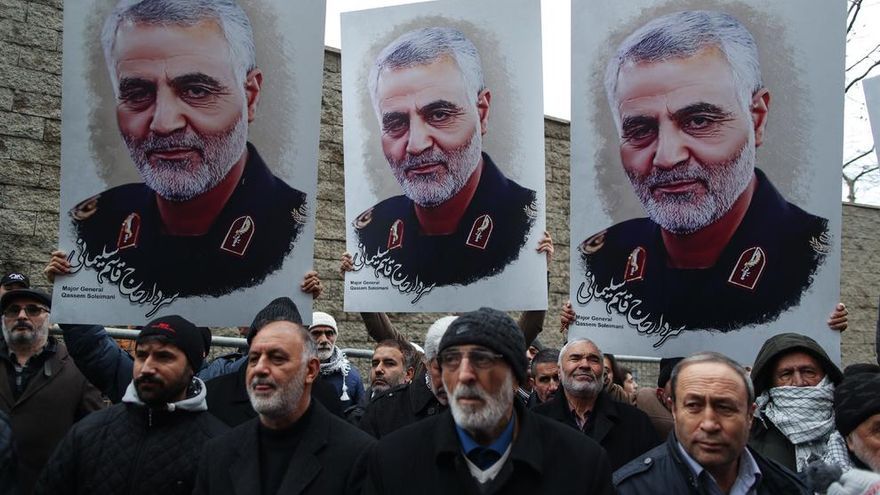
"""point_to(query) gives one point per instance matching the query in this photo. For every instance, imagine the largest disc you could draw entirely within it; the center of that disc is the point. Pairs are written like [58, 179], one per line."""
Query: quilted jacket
[130, 448]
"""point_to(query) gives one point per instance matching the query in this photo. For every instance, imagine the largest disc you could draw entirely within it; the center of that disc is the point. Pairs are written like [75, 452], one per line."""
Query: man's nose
[168, 115]
[419, 138]
[671, 150]
[798, 380]
[466, 371]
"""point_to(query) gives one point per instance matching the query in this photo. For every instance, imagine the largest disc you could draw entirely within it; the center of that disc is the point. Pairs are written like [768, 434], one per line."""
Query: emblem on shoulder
[301, 214]
[395, 235]
[480, 232]
[238, 237]
[129, 232]
[635, 265]
[363, 219]
[593, 243]
[85, 208]
[748, 268]
[822, 243]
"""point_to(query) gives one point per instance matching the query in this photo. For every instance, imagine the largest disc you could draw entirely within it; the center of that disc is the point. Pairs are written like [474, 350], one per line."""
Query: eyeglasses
[478, 359]
[13, 310]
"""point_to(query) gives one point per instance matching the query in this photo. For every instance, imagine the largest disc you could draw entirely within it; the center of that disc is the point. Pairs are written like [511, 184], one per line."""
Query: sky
[556, 34]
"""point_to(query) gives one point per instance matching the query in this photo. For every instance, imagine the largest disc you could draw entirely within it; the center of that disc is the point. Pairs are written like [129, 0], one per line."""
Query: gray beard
[24, 340]
[489, 415]
[283, 400]
[687, 213]
[578, 389]
[430, 190]
[177, 180]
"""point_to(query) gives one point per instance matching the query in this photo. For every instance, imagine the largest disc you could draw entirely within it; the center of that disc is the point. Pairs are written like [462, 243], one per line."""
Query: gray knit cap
[494, 330]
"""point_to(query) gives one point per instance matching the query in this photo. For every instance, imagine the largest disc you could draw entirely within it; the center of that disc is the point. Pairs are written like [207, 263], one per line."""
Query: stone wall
[30, 111]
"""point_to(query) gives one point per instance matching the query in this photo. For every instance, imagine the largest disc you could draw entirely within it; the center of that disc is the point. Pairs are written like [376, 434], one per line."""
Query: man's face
[797, 369]
[582, 369]
[711, 413]
[25, 323]
[608, 369]
[630, 385]
[480, 387]
[325, 339]
[388, 369]
[276, 373]
[180, 108]
[546, 380]
[431, 129]
[437, 382]
[864, 442]
[161, 373]
[687, 144]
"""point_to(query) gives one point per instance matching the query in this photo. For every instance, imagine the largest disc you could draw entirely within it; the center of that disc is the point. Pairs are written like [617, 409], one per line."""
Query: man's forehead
[797, 357]
[713, 380]
[386, 351]
[546, 368]
[421, 84]
[582, 347]
[321, 328]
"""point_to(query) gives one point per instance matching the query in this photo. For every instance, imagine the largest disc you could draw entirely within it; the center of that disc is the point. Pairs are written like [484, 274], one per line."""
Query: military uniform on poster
[249, 239]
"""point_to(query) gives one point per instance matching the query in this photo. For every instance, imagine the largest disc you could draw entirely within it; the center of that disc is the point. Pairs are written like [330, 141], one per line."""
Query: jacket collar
[194, 402]
[51, 367]
[421, 397]
[304, 465]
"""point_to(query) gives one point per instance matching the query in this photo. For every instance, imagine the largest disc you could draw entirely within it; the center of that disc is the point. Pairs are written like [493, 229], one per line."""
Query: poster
[189, 151]
[871, 88]
[444, 156]
[705, 203]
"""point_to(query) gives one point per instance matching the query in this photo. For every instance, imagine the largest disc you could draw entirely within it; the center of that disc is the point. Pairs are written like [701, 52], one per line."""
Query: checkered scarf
[805, 415]
[338, 362]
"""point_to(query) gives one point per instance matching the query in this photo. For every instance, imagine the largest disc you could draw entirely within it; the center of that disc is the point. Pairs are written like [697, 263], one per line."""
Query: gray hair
[423, 47]
[435, 334]
[233, 22]
[578, 340]
[712, 357]
[682, 35]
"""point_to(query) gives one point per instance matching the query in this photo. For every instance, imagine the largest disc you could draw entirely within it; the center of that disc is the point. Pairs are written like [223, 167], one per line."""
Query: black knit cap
[280, 309]
[180, 333]
[494, 330]
[856, 399]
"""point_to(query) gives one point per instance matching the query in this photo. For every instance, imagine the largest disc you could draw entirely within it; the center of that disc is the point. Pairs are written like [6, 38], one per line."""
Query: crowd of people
[479, 405]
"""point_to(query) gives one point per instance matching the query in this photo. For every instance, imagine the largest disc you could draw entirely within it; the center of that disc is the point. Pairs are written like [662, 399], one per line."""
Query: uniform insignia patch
[395, 234]
[531, 210]
[300, 215]
[635, 265]
[748, 268]
[363, 219]
[85, 208]
[129, 232]
[821, 244]
[480, 232]
[239, 235]
[593, 243]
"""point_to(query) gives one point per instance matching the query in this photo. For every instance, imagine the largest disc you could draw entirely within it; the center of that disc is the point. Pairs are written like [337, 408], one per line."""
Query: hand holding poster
[444, 156]
[189, 144]
[719, 121]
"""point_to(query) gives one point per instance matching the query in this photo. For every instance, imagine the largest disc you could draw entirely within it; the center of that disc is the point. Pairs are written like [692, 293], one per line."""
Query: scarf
[338, 363]
[805, 415]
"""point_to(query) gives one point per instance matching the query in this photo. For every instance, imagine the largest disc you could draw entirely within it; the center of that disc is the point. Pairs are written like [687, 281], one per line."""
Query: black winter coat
[399, 407]
[545, 458]
[329, 460]
[622, 430]
[130, 449]
[663, 470]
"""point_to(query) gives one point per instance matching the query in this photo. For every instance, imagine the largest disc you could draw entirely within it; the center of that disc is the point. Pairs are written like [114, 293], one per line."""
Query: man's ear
[410, 372]
[483, 101]
[313, 367]
[759, 109]
[253, 83]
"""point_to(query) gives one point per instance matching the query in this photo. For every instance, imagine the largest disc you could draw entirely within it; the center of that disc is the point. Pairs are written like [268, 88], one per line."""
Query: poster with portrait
[444, 156]
[871, 87]
[705, 203]
[189, 144]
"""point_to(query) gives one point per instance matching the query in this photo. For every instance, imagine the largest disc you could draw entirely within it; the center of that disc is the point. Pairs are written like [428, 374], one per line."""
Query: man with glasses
[41, 389]
[794, 383]
[487, 442]
[582, 403]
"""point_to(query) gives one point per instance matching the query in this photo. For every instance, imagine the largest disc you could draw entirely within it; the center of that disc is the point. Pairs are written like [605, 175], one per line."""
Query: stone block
[6, 97]
[20, 173]
[9, 53]
[17, 221]
[15, 10]
[19, 248]
[52, 130]
[58, 4]
[36, 81]
[29, 150]
[16, 124]
[40, 104]
[50, 177]
[28, 198]
[47, 225]
[46, 16]
[39, 59]
[28, 34]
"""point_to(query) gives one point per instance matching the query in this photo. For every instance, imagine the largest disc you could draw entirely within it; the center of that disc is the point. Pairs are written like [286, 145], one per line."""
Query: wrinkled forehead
[712, 381]
[440, 79]
[582, 348]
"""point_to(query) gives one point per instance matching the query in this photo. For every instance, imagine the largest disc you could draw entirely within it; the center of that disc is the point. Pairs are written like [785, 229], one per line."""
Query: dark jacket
[663, 470]
[55, 398]
[399, 407]
[621, 429]
[330, 459]
[229, 402]
[132, 449]
[8, 468]
[545, 458]
[764, 436]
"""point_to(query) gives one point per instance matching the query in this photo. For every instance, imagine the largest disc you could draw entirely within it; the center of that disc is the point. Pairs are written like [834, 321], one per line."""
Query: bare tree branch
[864, 75]
[858, 157]
[853, 13]
[866, 57]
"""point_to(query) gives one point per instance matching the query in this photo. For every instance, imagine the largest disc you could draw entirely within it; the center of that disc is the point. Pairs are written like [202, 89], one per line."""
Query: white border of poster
[801, 49]
[871, 87]
[288, 36]
[507, 35]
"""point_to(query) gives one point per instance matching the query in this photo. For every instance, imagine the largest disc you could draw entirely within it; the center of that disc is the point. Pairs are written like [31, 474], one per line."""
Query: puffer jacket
[133, 449]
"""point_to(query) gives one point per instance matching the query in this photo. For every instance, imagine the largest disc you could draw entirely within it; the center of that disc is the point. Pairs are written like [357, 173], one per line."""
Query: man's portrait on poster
[460, 219]
[720, 248]
[210, 216]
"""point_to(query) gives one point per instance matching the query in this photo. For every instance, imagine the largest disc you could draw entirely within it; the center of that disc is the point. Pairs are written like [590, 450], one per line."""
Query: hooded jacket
[133, 448]
[765, 437]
